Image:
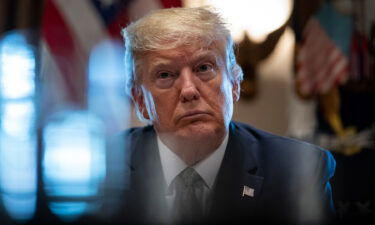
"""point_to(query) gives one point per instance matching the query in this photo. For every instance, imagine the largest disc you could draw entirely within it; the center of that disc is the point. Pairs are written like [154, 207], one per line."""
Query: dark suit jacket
[290, 179]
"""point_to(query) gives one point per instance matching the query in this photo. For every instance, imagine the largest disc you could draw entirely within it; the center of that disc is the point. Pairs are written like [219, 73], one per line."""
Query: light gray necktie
[188, 206]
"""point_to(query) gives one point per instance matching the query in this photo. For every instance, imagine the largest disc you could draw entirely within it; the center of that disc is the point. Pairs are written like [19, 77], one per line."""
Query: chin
[201, 130]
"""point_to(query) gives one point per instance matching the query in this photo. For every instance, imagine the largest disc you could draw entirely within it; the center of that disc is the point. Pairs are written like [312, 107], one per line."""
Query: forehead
[182, 54]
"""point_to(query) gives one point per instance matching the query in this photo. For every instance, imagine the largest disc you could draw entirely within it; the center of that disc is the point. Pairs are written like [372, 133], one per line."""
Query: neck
[193, 150]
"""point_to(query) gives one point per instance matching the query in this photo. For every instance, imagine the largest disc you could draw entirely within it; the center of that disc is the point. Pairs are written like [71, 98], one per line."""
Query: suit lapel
[147, 178]
[237, 172]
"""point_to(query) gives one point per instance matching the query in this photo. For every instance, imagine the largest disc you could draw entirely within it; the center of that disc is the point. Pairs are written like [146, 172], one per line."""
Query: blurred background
[309, 74]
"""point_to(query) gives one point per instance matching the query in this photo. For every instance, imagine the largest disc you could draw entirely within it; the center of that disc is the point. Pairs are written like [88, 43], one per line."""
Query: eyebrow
[206, 55]
[166, 61]
[161, 62]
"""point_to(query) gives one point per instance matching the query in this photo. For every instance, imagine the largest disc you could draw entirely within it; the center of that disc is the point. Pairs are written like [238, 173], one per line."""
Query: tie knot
[189, 177]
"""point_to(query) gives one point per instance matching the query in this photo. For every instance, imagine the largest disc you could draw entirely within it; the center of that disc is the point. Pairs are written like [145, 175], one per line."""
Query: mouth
[193, 115]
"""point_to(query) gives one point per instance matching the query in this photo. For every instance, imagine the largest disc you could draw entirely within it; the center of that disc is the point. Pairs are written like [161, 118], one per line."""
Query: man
[193, 164]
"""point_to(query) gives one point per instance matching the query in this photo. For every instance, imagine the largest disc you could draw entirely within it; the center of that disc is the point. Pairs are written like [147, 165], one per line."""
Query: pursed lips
[192, 114]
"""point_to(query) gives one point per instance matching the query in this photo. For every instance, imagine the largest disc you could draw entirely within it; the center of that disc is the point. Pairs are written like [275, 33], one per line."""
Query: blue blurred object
[17, 68]
[106, 86]
[18, 179]
[73, 163]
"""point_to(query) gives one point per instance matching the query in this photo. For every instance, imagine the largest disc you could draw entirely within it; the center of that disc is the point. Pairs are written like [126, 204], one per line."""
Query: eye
[165, 79]
[205, 67]
[164, 75]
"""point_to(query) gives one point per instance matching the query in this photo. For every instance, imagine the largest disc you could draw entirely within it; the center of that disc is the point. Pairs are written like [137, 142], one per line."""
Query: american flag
[247, 191]
[70, 30]
[322, 59]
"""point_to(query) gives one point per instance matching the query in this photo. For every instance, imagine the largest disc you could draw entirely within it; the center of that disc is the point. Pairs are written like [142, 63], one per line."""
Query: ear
[235, 91]
[139, 100]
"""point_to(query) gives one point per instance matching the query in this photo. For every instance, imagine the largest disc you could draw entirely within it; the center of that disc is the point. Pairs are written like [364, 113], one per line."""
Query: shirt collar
[207, 168]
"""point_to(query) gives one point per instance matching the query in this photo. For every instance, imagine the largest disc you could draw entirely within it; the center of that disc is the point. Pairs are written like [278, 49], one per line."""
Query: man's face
[189, 91]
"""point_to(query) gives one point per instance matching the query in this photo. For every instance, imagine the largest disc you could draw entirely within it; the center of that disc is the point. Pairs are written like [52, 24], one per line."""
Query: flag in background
[70, 30]
[322, 59]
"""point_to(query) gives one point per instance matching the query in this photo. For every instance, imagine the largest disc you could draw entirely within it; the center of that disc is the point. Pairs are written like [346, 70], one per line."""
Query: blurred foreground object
[18, 115]
[73, 164]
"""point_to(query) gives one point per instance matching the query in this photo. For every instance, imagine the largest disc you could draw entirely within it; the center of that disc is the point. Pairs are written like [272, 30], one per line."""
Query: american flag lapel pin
[247, 191]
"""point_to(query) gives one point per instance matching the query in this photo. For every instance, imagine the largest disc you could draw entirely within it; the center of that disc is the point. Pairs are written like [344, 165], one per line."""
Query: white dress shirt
[207, 168]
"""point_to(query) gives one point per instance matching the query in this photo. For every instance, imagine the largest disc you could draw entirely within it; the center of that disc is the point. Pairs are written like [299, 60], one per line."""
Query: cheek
[220, 97]
[164, 105]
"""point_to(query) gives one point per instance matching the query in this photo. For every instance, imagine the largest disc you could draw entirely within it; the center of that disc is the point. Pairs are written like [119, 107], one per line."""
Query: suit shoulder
[281, 147]
[130, 136]
[134, 132]
[268, 138]
[256, 133]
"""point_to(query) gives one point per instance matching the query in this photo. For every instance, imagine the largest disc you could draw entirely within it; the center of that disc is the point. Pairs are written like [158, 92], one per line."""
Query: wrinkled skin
[187, 94]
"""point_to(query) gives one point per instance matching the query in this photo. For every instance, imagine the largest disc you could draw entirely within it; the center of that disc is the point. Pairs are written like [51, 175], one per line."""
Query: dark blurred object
[372, 52]
[372, 41]
[20, 14]
[362, 76]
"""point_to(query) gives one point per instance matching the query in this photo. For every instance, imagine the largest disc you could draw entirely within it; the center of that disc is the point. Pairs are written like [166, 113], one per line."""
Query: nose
[189, 91]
